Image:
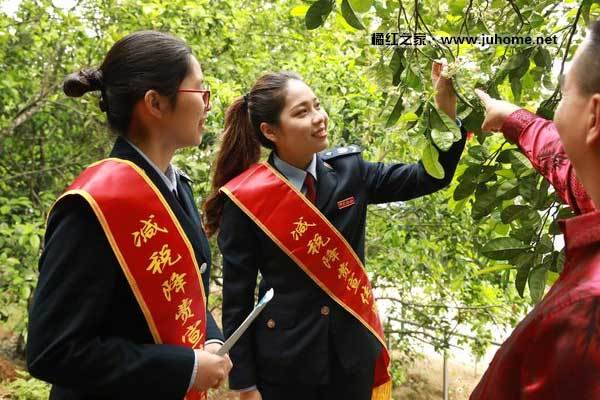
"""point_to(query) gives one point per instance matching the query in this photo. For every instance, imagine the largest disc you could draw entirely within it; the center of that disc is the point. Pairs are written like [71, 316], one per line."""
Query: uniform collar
[581, 231]
[295, 175]
[168, 176]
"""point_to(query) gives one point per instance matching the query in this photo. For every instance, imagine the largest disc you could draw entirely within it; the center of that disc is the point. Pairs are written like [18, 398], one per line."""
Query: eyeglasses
[205, 94]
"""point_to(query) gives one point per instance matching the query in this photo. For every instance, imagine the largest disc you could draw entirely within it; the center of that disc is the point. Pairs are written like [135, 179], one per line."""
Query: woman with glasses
[119, 311]
[299, 218]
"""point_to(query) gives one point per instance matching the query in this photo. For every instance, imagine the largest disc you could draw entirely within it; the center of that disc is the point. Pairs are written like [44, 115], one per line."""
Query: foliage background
[472, 258]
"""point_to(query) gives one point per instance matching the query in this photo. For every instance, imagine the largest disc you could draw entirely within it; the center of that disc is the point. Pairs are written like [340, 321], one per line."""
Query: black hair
[138, 62]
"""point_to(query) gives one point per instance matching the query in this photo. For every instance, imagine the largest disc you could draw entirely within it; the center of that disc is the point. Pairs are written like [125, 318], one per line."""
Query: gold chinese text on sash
[316, 246]
[152, 249]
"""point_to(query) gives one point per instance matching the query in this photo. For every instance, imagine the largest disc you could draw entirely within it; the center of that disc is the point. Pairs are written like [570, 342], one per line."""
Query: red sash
[152, 249]
[316, 246]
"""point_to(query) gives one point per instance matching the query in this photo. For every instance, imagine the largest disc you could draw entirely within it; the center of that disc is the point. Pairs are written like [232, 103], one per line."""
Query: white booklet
[244, 326]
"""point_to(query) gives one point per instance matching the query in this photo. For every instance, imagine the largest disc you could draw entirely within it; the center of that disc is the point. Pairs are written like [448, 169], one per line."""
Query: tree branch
[41, 171]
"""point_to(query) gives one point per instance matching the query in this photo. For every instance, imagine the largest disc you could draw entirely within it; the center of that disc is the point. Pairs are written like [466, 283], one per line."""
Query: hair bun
[79, 83]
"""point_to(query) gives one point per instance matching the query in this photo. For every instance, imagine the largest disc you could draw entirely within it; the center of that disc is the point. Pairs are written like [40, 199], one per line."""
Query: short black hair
[588, 66]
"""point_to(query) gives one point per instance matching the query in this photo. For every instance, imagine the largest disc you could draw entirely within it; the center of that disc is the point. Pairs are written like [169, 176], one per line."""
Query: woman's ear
[593, 129]
[269, 132]
[154, 103]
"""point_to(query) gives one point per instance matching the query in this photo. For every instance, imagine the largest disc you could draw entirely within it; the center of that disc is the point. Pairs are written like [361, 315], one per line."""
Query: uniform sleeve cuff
[209, 341]
[248, 389]
[515, 123]
[194, 372]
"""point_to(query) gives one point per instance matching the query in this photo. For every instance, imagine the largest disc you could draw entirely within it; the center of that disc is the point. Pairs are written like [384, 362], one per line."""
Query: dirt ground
[425, 380]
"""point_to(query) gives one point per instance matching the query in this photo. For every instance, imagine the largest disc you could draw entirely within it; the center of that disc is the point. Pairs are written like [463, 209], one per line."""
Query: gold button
[324, 310]
[271, 323]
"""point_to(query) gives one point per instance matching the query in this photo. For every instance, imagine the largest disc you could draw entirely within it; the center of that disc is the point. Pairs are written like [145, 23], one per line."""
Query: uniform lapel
[187, 199]
[186, 202]
[326, 183]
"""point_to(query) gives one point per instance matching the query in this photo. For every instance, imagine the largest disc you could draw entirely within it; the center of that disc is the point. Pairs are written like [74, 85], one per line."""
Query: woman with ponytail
[119, 311]
[299, 219]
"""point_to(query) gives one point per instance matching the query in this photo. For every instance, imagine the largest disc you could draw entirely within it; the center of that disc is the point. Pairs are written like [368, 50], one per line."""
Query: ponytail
[242, 138]
[239, 150]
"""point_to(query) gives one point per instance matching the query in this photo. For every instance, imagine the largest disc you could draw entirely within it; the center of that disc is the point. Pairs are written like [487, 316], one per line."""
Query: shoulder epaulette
[330, 154]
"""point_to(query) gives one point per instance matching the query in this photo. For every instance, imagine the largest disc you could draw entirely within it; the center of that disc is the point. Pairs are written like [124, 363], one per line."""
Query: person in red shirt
[554, 353]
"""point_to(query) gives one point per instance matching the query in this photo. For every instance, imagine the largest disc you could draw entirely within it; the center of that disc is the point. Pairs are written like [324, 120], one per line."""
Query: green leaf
[508, 189]
[25, 291]
[513, 212]
[524, 234]
[560, 261]
[318, 13]
[565, 212]
[546, 109]
[528, 187]
[299, 11]
[524, 260]
[464, 189]
[34, 241]
[505, 173]
[503, 248]
[520, 164]
[457, 6]
[474, 121]
[495, 268]
[551, 260]
[521, 279]
[505, 156]
[409, 117]
[411, 79]
[542, 58]
[543, 198]
[516, 86]
[472, 173]
[485, 202]
[431, 163]
[149, 8]
[478, 152]
[537, 283]
[545, 245]
[517, 61]
[396, 112]
[350, 17]
[361, 6]
[519, 72]
[397, 65]
[554, 228]
[441, 121]
[442, 139]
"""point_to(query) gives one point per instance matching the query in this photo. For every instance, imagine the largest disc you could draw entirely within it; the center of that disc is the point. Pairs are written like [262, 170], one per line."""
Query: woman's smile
[321, 133]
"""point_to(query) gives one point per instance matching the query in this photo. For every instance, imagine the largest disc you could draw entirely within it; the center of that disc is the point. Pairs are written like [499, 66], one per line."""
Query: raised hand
[445, 97]
[496, 111]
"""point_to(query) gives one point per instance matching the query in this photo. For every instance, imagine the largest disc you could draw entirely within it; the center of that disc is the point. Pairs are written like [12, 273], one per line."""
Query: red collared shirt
[538, 139]
[554, 353]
